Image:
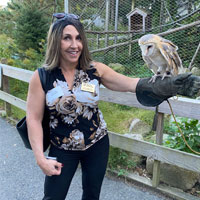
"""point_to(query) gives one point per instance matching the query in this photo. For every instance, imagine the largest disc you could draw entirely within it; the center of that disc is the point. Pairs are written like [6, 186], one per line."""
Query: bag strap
[43, 78]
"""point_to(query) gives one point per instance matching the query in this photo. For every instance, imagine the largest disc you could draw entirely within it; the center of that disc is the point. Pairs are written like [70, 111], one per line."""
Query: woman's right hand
[50, 167]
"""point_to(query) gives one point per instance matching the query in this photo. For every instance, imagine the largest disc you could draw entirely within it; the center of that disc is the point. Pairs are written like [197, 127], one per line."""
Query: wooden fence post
[159, 140]
[6, 88]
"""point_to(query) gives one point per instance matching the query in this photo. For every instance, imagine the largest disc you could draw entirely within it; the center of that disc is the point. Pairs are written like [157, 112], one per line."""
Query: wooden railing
[182, 107]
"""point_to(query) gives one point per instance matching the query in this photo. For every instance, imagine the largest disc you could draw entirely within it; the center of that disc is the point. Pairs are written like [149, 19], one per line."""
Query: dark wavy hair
[52, 57]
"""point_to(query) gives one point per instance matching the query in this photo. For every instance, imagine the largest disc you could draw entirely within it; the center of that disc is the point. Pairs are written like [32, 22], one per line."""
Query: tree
[27, 21]
[7, 47]
[124, 9]
[31, 27]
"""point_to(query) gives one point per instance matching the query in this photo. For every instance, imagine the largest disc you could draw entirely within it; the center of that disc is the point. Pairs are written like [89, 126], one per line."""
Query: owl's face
[148, 44]
[147, 49]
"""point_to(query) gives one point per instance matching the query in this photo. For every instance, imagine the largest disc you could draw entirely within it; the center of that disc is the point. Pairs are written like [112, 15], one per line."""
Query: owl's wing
[150, 64]
[169, 52]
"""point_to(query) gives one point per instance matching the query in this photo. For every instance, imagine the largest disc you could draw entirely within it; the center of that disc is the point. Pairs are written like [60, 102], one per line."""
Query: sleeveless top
[76, 122]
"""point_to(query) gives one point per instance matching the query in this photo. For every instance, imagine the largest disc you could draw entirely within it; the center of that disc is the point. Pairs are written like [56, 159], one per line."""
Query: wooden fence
[182, 107]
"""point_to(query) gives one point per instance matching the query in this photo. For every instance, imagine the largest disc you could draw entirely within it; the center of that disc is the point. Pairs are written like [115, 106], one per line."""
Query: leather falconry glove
[153, 94]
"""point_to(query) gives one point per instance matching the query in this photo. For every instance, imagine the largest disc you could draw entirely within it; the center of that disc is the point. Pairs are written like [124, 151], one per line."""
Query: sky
[4, 2]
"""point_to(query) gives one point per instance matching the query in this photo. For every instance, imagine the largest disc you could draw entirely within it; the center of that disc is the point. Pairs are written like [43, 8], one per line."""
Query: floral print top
[76, 122]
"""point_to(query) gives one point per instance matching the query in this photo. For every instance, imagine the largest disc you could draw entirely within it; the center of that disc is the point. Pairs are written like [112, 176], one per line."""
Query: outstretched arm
[115, 81]
[150, 94]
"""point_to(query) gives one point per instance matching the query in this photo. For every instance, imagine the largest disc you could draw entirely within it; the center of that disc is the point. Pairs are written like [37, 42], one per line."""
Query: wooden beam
[123, 98]
[183, 107]
[169, 191]
[13, 100]
[156, 152]
[17, 73]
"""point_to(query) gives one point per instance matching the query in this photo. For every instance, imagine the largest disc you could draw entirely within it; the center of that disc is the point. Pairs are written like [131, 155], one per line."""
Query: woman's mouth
[74, 53]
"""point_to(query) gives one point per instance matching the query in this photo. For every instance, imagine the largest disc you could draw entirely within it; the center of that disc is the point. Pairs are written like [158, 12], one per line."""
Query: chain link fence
[114, 26]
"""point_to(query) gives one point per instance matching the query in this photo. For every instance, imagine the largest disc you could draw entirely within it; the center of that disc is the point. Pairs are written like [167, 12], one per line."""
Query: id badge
[87, 87]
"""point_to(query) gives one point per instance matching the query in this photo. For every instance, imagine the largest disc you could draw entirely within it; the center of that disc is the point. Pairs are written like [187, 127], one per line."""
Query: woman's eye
[78, 37]
[66, 38]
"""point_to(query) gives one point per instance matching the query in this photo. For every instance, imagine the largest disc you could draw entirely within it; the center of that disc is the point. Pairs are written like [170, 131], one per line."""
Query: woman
[78, 130]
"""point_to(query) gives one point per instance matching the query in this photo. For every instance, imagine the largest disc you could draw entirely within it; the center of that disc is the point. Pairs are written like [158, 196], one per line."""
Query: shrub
[191, 132]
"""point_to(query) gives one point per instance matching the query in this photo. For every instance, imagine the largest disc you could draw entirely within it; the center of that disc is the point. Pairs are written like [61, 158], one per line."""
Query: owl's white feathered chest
[156, 61]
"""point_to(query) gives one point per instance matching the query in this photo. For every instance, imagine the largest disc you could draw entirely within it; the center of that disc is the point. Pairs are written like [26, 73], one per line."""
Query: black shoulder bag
[22, 126]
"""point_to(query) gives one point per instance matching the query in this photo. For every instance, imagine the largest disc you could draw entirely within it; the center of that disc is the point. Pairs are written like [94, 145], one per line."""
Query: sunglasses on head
[65, 16]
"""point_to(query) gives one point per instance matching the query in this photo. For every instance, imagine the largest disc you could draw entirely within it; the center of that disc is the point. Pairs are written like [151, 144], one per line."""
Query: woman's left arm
[115, 81]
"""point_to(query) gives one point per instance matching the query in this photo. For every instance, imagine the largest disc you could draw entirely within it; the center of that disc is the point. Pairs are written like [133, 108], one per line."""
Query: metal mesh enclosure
[114, 26]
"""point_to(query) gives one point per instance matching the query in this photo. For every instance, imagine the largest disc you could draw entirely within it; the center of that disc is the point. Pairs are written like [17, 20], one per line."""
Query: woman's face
[71, 45]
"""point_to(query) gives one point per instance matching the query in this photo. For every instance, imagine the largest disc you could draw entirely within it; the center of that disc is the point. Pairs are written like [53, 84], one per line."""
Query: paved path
[21, 178]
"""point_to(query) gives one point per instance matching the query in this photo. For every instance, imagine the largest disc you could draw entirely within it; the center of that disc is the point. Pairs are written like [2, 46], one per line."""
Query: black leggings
[93, 164]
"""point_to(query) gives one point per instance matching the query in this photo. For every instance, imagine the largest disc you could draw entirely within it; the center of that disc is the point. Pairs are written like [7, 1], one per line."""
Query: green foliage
[7, 47]
[31, 27]
[6, 23]
[138, 70]
[89, 7]
[17, 113]
[191, 131]
[117, 67]
[120, 161]
[28, 59]
[18, 88]
[152, 8]
[124, 9]
[172, 5]
[27, 21]
[32, 59]
[187, 41]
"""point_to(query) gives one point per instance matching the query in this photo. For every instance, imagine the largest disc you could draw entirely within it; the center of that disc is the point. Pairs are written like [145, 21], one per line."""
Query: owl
[160, 55]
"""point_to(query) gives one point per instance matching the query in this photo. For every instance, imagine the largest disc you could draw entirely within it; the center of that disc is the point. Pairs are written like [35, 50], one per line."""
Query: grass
[119, 117]
[17, 113]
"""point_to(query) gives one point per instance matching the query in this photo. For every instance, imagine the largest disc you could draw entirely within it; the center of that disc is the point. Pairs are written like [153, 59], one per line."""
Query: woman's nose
[74, 44]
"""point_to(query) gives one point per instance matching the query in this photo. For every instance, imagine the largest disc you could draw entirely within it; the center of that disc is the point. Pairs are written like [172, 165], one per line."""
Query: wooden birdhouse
[138, 20]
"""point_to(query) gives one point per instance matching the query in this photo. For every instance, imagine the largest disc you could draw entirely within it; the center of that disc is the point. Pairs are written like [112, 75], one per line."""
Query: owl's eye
[149, 47]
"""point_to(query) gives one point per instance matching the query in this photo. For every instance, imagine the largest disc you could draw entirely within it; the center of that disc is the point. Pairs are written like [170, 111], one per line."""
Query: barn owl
[160, 55]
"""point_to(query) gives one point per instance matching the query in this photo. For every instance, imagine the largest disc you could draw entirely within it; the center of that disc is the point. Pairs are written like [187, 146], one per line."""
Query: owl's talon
[154, 77]
[166, 75]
